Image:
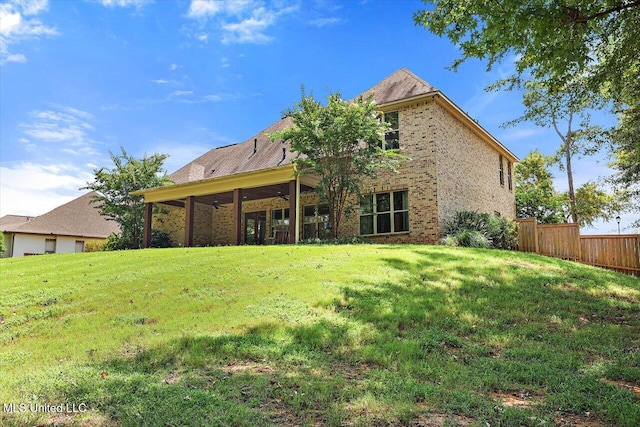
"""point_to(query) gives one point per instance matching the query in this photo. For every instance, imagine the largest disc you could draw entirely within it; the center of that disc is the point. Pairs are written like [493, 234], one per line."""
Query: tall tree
[535, 195]
[114, 187]
[554, 41]
[340, 144]
[566, 111]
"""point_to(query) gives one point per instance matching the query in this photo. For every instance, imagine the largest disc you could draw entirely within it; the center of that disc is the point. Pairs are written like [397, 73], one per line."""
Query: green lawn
[319, 335]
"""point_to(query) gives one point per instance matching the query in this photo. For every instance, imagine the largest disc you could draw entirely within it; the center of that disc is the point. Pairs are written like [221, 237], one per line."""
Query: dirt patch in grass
[520, 399]
[236, 368]
[571, 420]
[87, 419]
[441, 420]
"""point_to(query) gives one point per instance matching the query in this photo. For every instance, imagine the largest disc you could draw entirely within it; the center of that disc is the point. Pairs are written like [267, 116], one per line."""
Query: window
[384, 213]
[501, 172]
[279, 220]
[316, 222]
[392, 136]
[50, 246]
[509, 176]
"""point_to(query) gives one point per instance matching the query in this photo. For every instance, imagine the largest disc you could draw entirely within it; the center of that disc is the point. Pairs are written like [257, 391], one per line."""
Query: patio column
[189, 211]
[148, 215]
[293, 196]
[237, 215]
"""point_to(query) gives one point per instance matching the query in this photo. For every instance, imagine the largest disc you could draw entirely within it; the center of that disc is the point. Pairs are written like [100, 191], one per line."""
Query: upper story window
[501, 171]
[509, 180]
[384, 213]
[392, 136]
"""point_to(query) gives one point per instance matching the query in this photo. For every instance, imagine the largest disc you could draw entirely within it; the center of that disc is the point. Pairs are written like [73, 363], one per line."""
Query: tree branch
[576, 16]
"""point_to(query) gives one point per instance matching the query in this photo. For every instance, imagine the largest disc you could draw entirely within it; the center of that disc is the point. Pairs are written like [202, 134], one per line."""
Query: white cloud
[160, 81]
[16, 58]
[29, 188]
[240, 21]
[125, 3]
[65, 126]
[325, 22]
[182, 93]
[204, 8]
[203, 37]
[15, 28]
[174, 67]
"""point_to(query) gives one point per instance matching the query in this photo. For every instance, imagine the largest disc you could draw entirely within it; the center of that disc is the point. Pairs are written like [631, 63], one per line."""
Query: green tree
[550, 40]
[340, 144]
[114, 187]
[3, 248]
[560, 109]
[554, 41]
[593, 204]
[535, 195]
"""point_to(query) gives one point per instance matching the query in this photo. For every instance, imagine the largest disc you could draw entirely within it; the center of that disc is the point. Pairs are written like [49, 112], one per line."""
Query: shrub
[472, 239]
[94, 245]
[2, 247]
[449, 241]
[467, 220]
[342, 241]
[116, 242]
[160, 239]
[500, 233]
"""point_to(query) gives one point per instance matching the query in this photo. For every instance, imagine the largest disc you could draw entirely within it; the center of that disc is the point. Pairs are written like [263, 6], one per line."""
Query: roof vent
[255, 145]
[284, 155]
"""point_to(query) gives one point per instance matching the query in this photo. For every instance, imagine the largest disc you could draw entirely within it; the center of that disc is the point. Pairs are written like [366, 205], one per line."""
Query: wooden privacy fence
[615, 252]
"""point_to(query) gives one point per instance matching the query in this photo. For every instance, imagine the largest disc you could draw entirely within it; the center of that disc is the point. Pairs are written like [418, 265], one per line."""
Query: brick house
[248, 193]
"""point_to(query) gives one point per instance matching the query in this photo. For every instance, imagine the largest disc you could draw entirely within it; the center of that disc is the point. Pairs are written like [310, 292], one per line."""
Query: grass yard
[318, 335]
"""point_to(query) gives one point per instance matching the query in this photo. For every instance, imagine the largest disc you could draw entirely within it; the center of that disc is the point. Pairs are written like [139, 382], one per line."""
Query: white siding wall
[65, 245]
[34, 244]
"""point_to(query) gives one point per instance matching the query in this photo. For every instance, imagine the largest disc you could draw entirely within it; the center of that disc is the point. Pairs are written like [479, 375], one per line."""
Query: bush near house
[479, 230]
[2, 247]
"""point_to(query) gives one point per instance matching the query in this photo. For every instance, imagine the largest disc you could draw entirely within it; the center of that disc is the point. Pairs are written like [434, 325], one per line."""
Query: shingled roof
[14, 220]
[402, 84]
[77, 218]
[239, 158]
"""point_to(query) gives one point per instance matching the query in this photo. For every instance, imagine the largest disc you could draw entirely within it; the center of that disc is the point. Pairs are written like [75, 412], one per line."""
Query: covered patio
[232, 191]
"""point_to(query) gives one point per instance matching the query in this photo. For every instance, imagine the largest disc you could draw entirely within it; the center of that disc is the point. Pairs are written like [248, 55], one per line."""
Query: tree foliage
[553, 42]
[339, 144]
[566, 111]
[535, 195]
[3, 248]
[556, 39]
[114, 186]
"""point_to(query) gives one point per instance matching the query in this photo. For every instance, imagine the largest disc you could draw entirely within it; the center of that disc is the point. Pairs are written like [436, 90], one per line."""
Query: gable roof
[76, 218]
[402, 84]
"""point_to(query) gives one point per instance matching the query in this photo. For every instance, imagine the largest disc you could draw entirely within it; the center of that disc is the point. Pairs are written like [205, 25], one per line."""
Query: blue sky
[81, 78]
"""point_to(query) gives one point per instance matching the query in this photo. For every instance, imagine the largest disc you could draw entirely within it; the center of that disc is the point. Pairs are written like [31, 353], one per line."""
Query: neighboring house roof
[76, 218]
[14, 220]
